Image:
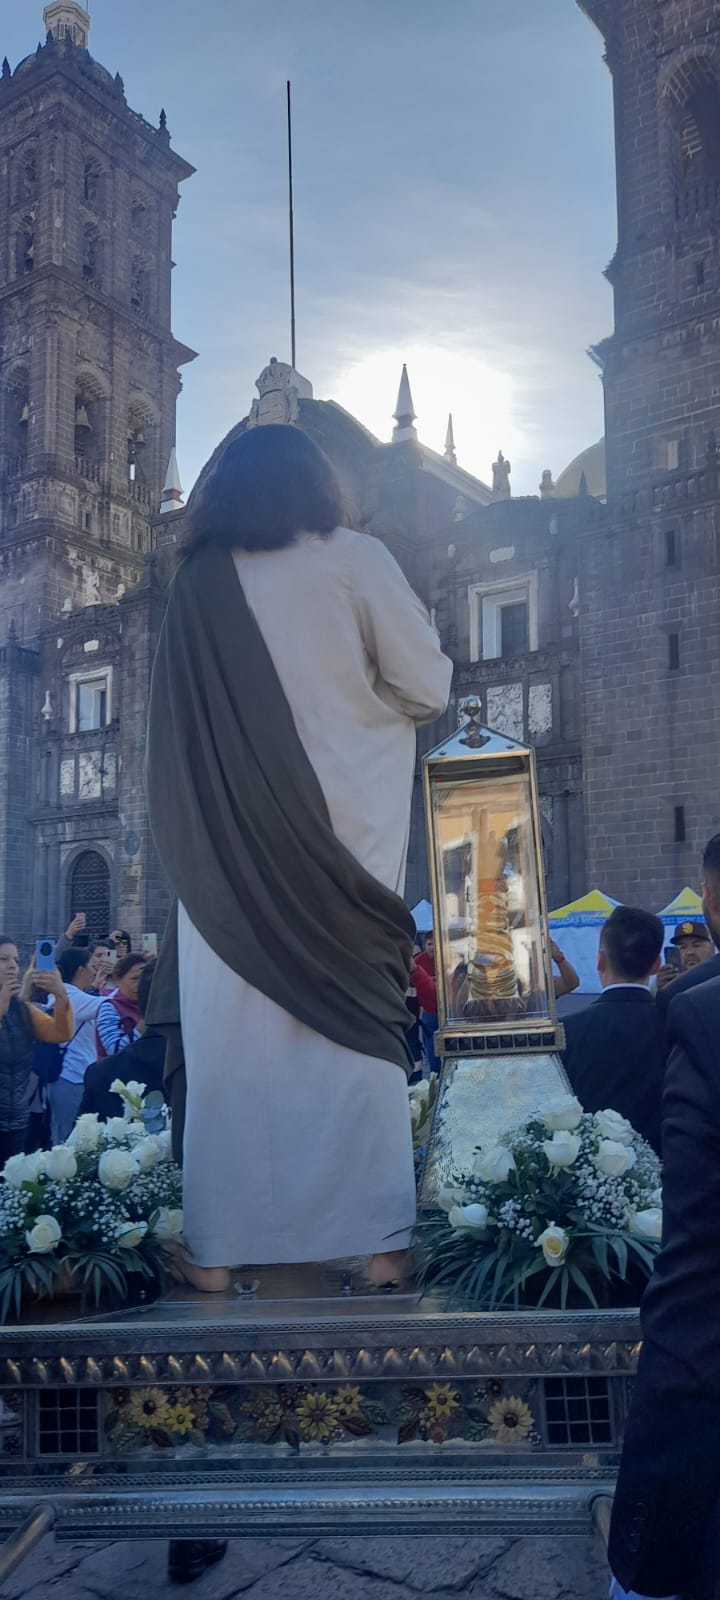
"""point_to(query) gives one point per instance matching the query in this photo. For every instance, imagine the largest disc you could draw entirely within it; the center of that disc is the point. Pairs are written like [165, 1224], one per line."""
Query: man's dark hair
[145, 985]
[268, 485]
[71, 962]
[711, 858]
[632, 941]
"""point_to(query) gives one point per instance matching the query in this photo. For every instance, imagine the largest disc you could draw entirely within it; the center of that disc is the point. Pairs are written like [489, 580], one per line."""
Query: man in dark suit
[664, 1536]
[707, 970]
[615, 1050]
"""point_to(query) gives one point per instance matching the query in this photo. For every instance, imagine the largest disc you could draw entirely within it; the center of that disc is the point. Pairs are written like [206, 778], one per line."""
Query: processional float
[299, 1402]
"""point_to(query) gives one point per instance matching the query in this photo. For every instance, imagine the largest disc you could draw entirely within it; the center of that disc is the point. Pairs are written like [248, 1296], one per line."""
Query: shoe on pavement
[188, 1559]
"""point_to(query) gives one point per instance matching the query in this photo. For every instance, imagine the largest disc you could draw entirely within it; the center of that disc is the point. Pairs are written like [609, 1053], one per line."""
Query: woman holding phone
[21, 1026]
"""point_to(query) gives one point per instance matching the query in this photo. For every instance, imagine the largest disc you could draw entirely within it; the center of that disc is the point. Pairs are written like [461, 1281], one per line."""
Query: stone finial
[404, 413]
[501, 478]
[583, 491]
[547, 487]
[47, 710]
[172, 493]
[6, 68]
[450, 454]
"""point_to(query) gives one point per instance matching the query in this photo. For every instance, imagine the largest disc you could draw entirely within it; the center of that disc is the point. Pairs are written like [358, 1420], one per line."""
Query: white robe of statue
[296, 1149]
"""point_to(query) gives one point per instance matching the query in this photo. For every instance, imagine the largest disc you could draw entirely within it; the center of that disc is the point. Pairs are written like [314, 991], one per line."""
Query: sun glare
[480, 397]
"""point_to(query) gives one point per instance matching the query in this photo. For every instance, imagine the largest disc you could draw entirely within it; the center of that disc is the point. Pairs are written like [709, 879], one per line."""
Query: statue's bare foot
[390, 1267]
[211, 1280]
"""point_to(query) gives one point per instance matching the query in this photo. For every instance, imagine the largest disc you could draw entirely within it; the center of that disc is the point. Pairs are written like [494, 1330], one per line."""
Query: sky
[454, 198]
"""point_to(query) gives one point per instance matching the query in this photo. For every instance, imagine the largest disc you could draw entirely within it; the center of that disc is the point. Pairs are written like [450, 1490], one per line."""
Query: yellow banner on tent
[594, 904]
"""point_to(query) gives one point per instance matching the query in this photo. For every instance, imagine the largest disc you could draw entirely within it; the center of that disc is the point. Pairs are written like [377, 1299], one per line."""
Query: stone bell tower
[650, 581]
[89, 376]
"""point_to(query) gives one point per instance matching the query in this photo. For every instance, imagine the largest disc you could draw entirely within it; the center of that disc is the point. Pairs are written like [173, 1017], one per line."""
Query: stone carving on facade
[280, 390]
[501, 478]
[547, 487]
[574, 605]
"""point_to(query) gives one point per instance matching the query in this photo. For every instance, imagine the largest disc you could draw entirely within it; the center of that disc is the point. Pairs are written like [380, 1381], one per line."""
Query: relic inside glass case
[491, 934]
[492, 947]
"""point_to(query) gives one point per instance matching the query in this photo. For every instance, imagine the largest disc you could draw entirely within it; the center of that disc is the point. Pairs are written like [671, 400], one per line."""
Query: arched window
[89, 891]
[92, 183]
[89, 421]
[25, 246]
[139, 285]
[692, 97]
[27, 173]
[92, 258]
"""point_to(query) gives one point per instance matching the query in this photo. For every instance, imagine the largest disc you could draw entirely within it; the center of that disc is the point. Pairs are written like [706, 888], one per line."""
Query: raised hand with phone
[22, 1025]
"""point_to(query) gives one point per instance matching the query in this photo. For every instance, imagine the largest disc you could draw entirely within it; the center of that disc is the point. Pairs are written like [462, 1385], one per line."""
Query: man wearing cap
[689, 943]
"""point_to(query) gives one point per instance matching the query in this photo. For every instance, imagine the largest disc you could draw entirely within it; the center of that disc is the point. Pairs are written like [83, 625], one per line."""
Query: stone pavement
[324, 1569]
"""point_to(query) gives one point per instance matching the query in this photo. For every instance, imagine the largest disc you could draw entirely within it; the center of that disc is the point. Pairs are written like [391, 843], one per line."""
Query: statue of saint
[501, 478]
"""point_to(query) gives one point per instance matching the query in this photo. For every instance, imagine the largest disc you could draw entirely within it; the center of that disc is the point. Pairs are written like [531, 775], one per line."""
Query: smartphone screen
[45, 955]
[150, 945]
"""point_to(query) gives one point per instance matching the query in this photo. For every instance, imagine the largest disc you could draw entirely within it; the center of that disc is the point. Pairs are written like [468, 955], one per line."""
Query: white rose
[60, 1164]
[167, 1224]
[23, 1169]
[417, 1111]
[610, 1125]
[563, 1149]
[469, 1219]
[134, 1090]
[146, 1153]
[647, 1224]
[45, 1235]
[448, 1197]
[494, 1165]
[85, 1136]
[115, 1130]
[421, 1091]
[563, 1113]
[614, 1159]
[131, 1234]
[117, 1168]
[554, 1243]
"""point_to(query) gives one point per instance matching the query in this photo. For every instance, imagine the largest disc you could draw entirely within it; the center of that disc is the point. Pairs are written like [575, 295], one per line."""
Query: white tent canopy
[576, 929]
[686, 907]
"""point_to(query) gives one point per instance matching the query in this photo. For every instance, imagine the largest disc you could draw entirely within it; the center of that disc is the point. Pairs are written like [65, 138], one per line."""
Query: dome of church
[590, 465]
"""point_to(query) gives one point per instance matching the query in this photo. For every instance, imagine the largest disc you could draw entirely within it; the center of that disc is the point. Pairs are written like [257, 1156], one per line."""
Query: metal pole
[601, 1511]
[23, 1541]
[292, 228]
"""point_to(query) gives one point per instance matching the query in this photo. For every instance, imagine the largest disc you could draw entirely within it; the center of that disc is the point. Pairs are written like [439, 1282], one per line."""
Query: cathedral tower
[650, 585]
[89, 375]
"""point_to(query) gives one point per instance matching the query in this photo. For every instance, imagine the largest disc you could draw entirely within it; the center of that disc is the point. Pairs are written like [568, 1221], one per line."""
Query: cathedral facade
[586, 617]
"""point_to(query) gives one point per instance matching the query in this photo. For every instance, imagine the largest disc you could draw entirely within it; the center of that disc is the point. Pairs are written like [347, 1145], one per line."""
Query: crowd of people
[62, 1031]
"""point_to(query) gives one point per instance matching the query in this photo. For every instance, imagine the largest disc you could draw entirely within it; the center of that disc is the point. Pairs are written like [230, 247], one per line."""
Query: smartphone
[150, 946]
[111, 958]
[673, 957]
[45, 955]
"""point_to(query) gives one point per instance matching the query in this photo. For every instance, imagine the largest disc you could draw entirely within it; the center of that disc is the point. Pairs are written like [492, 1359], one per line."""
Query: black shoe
[188, 1559]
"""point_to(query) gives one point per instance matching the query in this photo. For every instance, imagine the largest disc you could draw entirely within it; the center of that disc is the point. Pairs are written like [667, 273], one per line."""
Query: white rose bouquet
[102, 1210]
[562, 1209]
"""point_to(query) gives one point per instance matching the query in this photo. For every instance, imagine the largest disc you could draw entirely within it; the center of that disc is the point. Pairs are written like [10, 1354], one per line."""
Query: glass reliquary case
[493, 968]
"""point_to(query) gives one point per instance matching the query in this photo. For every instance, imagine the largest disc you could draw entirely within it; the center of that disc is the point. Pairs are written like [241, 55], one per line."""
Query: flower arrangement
[94, 1212]
[563, 1204]
[307, 1416]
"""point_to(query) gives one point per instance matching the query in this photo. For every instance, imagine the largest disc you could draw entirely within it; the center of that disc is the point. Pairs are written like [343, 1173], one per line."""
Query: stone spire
[172, 494]
[404, 412]
[450, 442]
[67, 19]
